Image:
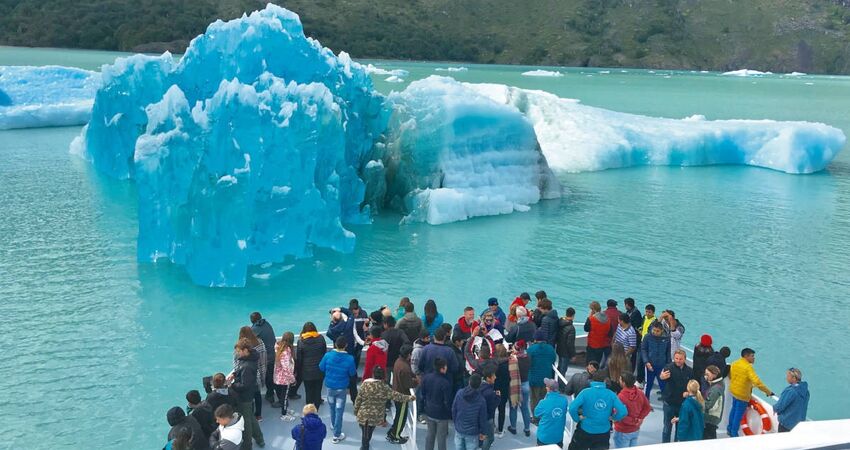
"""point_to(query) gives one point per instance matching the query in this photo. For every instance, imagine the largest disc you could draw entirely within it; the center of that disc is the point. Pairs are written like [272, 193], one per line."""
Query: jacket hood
[465, 327]
[310, 334]
[801, 389]
[175, 416]
[259, 323]
[470, 394]
[312, 422]
[601, 316]
[381, 344]
[631, 394]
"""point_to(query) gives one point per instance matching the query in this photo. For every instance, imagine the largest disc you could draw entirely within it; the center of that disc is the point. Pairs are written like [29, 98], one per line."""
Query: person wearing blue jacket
[491, 397]
[436, 393]
[655, 354]
[432, 319]
[691, 419]
[338, 367]
[598, 405]
[310, 434]
[552, 412]
[438, 349]
[794, 401]
[498, 314]
[543, 357]
[469, 412]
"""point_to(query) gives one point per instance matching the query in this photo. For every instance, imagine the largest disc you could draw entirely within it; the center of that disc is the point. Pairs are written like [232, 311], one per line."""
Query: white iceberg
[394, 79]
[45, 96]
[542, 73]
[372, 70]
[451, 69]
[745, 73]
[795, 74]
[578, 138]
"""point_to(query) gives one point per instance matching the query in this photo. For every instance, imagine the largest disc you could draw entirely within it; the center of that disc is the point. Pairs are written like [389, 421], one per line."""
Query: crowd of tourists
[476, 376]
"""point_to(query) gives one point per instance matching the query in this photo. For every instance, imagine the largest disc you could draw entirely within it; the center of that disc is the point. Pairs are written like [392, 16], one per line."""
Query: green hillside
[777, 35]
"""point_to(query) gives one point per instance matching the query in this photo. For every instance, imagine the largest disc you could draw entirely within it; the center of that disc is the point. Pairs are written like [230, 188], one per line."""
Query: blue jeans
[623, 440]
[491, 435]
[651, 376]
[670, 412]
[466, 442]
[736, 413]
[336, 403]
[525, 393]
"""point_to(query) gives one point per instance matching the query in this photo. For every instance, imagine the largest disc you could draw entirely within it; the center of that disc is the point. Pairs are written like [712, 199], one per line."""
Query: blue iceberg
[45, 96]
[580, 138]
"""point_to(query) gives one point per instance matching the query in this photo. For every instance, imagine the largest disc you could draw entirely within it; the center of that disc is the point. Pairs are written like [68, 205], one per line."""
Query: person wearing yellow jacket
[742, 378]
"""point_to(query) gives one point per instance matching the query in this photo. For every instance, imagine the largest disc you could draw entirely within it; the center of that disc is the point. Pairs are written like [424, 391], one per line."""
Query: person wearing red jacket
[626, 430]
[523, 301]
[377, 353]
[597, 327]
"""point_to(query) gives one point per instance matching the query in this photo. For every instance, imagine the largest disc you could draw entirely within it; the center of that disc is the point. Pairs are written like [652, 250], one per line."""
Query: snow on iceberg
[577, 138]
[453, 154]
[745, 73]
[542, 73]
[372, 70]
[45, 96]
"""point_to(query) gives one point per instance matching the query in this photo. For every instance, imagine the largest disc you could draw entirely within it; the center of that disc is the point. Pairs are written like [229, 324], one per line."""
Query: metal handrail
[569, 424]
[412, 421]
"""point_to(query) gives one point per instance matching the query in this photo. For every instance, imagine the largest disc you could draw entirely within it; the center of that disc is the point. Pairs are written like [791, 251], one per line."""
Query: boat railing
[411, 423]
[569, 426]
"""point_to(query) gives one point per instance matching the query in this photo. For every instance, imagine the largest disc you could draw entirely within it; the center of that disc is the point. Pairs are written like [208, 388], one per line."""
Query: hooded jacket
[395, 338]
[344, 327]
[338, 368]
[598, 329]
[714, 402]
[432, 327]
[310, 433]
[311, 348]
[542, 357]
[523, 330]
[655, 350]
[375, 356]
[228, 437]
[264, 332]
[205, 417]
[549, 325]
[742, 378]
[436, 393]
[637, 406]
[416, 355]
[220, 397]
[371, 403]
[463, 329]
[716, 359]
[411, 324]
[245, 377]
[691, 421]
[469, 411]
[403, 378]
[793, 405]
[566, 347]
[613, 319]
[552, 411]
[598, 404]
[700, 358]
[178, 419]
[488, 391]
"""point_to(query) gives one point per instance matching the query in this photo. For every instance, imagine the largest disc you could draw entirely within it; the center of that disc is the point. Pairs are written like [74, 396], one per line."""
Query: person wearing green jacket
[691, 421]
[714, 400]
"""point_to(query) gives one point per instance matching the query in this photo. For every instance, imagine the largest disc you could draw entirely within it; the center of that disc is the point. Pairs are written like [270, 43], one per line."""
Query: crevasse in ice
[45, 96]
[580, 138]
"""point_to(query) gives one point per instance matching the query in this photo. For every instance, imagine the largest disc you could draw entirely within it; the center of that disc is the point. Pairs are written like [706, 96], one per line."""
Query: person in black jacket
[201, 411]
[220, 394]
[503, 385]
[718, 359]
[245, 386]
[566, 345]
[395, 339]
[548, 321]
[676, 376]
[311, 348]
[264, 332]
[178, 419]
[636, 321]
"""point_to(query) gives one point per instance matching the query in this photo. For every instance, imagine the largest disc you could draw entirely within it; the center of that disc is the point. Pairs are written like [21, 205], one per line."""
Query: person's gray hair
[795, 372]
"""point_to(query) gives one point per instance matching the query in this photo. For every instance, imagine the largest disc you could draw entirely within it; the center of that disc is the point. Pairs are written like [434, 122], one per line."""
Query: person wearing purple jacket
[469, 412]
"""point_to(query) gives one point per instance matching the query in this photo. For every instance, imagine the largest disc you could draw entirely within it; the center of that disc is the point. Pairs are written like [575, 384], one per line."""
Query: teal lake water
[98, 347]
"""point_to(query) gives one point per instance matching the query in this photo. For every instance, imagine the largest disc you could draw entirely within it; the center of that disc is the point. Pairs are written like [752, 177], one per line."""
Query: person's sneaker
[527, 433]
[511, 430]
[396, 440]
[287, 418]
[500, 434]
[338, 439]
[422, 420]
[259, 418]
[290, 412]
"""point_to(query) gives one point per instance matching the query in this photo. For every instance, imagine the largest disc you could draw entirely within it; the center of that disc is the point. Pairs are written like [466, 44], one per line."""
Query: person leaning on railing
[742, 378]
[794, 401]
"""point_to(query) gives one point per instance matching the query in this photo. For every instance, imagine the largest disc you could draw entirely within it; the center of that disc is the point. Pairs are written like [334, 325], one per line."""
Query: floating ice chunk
[795, 74]
[746, 73]
[372, 70]
[451, 69]
[604, 71]
[577, 138]
[453, 154]
[543, 73]
[45, 96]
[394, 79]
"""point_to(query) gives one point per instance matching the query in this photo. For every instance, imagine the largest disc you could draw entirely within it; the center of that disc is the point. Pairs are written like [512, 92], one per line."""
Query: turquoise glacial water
[98, 347]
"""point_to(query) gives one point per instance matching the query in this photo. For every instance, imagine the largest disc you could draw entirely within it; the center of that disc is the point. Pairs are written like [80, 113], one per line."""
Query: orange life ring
[766, 423]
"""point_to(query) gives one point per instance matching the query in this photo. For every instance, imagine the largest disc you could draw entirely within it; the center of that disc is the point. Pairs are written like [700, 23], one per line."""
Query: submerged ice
[259, 145]
[45, 96]
[579, 138]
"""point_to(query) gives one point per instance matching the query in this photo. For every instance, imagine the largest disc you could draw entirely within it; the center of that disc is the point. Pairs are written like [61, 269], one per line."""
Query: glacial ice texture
[45, 96]
[579, 138]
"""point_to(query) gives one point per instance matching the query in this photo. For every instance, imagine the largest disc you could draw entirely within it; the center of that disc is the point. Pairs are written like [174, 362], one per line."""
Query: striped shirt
[626, 337]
